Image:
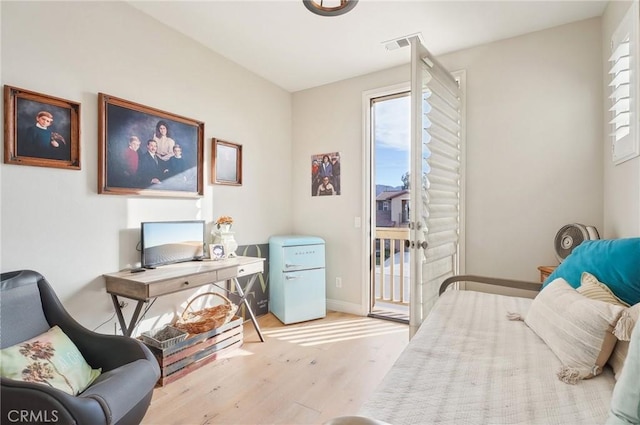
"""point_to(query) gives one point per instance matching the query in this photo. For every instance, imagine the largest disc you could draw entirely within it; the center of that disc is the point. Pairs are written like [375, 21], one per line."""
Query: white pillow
[577, 329]
[619, 354]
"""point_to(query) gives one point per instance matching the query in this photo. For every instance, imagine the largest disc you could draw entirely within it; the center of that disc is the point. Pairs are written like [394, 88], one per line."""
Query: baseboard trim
[344, 307]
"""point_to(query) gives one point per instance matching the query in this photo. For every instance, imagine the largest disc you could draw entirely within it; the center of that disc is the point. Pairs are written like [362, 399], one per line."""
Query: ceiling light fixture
[329, 7]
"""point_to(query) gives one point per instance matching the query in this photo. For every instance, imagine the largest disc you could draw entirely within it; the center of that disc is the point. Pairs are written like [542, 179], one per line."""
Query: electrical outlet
[338, 282]
[123, 304]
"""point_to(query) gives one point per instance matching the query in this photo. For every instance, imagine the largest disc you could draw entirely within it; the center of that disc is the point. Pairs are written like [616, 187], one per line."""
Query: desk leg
[127, 331]
[243, 300]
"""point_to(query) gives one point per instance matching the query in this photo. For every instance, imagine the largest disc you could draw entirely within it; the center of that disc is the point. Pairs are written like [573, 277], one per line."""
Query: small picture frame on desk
[216, 251]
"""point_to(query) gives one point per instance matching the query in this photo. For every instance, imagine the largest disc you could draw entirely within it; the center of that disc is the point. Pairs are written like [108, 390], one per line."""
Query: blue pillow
[614, 262]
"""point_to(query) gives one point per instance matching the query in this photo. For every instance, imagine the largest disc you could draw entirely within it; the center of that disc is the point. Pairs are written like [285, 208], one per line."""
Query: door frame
[368, 185]
[368, 201]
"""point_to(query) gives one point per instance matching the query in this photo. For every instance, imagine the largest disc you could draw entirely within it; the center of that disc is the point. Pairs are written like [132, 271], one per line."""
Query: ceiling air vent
[403, 41]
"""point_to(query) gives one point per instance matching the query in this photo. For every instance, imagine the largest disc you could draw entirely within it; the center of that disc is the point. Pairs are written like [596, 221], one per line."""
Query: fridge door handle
[292, 265]
[291, 277]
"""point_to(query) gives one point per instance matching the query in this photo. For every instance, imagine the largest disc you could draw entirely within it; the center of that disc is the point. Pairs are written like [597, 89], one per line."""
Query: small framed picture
[226, 163]
[325, 174]
[40, 130]
[216, 251]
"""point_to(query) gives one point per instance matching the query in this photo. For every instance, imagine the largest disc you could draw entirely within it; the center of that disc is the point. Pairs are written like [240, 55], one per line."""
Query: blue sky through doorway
[392, 127]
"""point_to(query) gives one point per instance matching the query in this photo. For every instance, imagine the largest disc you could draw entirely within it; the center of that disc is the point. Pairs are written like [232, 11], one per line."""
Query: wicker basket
[204, 320]
[163, 338]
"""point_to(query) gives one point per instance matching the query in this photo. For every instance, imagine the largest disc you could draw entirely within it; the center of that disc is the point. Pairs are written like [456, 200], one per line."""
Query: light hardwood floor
[304, 373]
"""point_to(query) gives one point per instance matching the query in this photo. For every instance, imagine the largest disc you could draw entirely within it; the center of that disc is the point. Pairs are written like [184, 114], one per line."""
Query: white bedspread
[469, 364]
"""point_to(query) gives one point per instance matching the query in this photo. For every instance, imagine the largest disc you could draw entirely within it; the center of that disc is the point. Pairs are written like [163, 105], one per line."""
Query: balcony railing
[391, 274]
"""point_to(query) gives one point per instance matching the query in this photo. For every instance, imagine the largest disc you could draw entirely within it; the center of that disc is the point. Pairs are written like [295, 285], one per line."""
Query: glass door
[391, 152]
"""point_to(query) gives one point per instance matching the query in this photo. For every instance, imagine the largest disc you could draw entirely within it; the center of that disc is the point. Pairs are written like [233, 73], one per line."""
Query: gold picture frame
[226, 163]
[146, 151]
[40, 130]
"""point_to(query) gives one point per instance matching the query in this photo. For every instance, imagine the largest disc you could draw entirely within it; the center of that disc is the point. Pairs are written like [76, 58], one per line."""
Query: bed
[484, 358]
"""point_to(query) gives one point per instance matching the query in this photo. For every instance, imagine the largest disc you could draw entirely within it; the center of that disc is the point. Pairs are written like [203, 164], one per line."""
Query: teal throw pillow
[625, 401]
[614, 262]
[50, 359]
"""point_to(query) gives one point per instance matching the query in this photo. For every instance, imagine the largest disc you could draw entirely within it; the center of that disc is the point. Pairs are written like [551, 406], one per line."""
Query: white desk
[153, 283]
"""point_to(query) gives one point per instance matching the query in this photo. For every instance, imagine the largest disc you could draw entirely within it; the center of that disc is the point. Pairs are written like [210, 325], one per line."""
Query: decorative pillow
[619, 354]
[51, 359]
[614, 261]
[592, 288]
[625, 400]
[577, 329]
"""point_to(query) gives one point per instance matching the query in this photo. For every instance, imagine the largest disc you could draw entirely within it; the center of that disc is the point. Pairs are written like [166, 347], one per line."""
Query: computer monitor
[167, 242]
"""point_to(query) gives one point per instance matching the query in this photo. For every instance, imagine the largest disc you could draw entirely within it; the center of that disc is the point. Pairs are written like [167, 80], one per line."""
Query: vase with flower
[224, 223]
[224, 235]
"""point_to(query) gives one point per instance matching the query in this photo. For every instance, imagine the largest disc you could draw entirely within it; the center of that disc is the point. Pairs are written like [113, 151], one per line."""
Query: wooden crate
[197, 350]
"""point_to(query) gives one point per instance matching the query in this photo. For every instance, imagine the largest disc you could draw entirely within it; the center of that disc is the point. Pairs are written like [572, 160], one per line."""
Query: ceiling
[286, 44]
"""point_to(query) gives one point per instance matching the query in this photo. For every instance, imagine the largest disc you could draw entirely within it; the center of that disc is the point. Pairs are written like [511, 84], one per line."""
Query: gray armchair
[120, 395]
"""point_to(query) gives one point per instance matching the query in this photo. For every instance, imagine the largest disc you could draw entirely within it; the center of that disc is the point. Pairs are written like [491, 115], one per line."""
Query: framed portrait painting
[226, 163]
[40, 130]
[146, 151]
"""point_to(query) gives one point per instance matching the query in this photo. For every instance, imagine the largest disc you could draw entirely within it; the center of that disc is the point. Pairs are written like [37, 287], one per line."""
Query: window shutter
[623, 88]
[441, 138]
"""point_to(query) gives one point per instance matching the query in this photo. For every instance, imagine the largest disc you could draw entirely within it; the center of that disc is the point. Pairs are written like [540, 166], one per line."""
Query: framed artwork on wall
[226, 163]
[325, 174]
[40, 130]
[146, 151]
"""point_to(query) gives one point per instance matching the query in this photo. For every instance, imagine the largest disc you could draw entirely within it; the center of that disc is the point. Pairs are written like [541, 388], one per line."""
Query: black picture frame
[176, 169]
[40, 130]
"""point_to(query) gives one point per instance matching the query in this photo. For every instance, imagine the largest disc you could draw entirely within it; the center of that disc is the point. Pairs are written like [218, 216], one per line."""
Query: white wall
[534, 153]
[621, 182]
[534, 146]
[53, 220]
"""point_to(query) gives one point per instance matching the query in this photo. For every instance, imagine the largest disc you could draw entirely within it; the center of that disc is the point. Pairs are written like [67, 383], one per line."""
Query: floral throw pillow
[50, 359]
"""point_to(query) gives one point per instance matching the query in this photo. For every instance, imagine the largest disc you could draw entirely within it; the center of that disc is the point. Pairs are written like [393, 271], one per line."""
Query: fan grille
[569, 237]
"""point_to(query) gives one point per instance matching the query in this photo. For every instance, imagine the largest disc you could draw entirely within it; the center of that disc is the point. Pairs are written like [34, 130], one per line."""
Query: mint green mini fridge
[297, 279]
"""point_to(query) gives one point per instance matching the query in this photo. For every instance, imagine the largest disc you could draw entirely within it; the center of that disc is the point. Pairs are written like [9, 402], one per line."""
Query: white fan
[572, 235]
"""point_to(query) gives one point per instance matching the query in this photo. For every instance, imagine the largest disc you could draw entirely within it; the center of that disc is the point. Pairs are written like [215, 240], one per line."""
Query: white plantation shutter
[623, 88]
[441, 197]
[438, 186]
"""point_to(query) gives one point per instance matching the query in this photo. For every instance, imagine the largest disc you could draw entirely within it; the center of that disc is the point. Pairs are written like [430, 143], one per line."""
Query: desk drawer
[181, 283]
[252, 268]
[240, 270]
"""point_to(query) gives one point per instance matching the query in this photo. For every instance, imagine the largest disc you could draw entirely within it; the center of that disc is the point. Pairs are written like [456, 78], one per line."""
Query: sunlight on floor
[308, 335]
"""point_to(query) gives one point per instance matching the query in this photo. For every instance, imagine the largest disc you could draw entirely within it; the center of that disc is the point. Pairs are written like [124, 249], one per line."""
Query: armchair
[120, 395]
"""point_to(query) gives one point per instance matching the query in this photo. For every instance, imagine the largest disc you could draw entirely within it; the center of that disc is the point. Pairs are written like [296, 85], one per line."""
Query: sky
[392, 127]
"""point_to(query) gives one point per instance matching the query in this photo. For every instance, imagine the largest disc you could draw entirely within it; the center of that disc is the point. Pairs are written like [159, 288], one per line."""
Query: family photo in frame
[41, 130]
[146, 151]
[325, 174]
